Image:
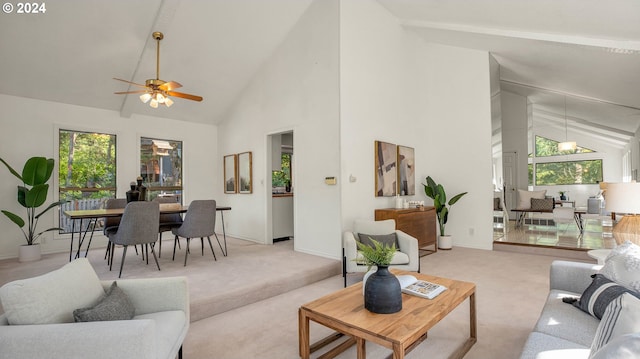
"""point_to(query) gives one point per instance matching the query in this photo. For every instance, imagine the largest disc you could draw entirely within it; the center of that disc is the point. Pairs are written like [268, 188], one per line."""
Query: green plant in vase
[379, 255]
[436, 192]
[31, 195]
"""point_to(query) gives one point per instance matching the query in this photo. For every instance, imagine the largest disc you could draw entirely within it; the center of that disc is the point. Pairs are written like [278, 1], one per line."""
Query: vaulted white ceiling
[587, 49]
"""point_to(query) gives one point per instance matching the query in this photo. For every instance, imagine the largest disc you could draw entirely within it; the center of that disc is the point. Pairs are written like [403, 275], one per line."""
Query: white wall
[297, 89]
[396, 88]
[29, 128]
[515, 127]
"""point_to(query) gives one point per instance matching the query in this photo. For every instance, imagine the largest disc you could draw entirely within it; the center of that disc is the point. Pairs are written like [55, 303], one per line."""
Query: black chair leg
[180, 353]
[202, 245]
[154, 257]
[344, 268]
[186, 252]
[210, 246]
[160, 246]
[124, 254]
[175, 240]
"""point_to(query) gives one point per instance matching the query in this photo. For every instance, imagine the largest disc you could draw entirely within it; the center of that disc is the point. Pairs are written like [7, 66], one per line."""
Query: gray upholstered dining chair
[167, 221]
[139, 225]
[199, 221]
[111, 223]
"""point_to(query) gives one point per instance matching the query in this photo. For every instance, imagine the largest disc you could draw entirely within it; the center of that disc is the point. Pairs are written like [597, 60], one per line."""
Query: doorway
[281, 197]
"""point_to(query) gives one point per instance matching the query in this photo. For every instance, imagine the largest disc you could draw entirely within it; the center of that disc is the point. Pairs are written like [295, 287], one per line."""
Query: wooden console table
[417, 222]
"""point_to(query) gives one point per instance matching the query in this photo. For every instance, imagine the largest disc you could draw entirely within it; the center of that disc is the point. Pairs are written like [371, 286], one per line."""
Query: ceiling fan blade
[129, 82]
[169, 86]
[128, 92]
[185, 95]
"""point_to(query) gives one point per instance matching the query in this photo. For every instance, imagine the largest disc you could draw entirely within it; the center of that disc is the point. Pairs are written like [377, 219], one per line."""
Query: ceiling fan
[155, 90]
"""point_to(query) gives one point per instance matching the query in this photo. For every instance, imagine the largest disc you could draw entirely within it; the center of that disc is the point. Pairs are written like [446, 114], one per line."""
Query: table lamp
[624, 198]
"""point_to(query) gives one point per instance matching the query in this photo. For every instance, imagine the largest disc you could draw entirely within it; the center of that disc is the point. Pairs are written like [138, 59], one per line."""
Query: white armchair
[406, 258]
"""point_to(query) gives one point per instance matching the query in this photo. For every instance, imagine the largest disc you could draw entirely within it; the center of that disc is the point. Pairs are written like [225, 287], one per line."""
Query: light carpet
[511, 290]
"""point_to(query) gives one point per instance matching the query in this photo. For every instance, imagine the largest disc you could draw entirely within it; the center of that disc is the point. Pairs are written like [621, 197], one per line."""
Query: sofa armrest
[571, 276]
[98, 340]
[409, 245]
[150, 295]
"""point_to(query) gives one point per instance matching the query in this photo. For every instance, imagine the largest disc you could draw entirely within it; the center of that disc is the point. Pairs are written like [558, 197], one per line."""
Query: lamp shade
[623, 197]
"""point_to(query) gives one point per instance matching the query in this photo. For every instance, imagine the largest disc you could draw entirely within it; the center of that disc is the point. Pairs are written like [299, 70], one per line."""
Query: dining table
[93, 215]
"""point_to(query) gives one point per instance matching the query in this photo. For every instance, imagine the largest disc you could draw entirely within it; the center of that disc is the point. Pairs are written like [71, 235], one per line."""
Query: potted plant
[382, 291]
[436, 192]
[563, 195]
[31, 195]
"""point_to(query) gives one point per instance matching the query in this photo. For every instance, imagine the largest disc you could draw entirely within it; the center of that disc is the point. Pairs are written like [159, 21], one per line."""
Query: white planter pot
[28, 253]
[445, 242]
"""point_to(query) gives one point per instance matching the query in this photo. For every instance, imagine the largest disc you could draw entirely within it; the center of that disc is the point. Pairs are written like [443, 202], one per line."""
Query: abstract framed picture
[244, 173]
[230, 169]
[386, 171]
[406, 171]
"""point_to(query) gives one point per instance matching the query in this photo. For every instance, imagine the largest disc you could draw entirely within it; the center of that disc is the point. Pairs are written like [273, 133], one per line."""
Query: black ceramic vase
[382, 292]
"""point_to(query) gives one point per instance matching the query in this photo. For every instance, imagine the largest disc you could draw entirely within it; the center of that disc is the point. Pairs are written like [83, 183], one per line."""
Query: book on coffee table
[421, 288]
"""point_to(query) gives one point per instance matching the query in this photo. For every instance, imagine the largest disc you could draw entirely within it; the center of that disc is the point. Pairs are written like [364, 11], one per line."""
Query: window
[546, 147]
[570, 172]
[161, 167]
[282, 178]
[86, 171]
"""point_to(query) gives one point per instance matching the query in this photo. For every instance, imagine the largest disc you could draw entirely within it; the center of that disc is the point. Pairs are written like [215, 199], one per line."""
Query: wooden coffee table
[344, 312]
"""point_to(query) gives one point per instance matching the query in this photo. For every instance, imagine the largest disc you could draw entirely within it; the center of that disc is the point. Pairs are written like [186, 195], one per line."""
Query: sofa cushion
[623, 347]
[599, 294]
[114, 305]
[52, 297]
[542, 204]
[545, 346]
[524, 197]
[565, 321]
[387, 240]
[621, 317]
[623, 266]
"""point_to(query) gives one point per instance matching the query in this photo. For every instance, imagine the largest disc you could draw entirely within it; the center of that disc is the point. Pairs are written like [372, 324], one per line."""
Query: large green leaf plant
[436, 192]
[32, 195]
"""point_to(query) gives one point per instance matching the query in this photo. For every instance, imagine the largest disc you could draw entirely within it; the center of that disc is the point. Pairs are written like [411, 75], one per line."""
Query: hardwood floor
[597, 235]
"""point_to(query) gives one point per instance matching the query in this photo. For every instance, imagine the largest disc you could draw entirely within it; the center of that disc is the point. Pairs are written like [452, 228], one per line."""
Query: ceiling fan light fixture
[145, 97]
[153, 103]
[168, 102]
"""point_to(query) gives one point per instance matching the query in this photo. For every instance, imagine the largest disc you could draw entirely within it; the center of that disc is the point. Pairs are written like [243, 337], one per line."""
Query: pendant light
[566, 145]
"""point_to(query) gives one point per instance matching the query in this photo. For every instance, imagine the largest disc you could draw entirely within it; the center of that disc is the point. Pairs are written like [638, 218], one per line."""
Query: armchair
[406, 258]
[42, 307]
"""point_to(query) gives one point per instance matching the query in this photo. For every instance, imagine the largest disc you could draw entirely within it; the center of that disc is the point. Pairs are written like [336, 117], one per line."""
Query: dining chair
[564, 215]
[111, 223]
[199, 221]
[139, 225]
[167, 221]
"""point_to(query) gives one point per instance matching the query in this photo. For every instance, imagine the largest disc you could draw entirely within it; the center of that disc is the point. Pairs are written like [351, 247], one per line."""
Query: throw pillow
[623, 266]
[623, 347]
[542, 204]
[115, 305]
[524, 197]
[621, 317]
[385, 239]
[52, 297]
[599, 294]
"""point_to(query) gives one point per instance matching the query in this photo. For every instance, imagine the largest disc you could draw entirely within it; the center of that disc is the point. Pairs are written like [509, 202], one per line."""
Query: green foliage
[437, 193]
[569, 172]
[86, 160]
[280, 178]
[546, 147]
[35, 173]
[379, 255]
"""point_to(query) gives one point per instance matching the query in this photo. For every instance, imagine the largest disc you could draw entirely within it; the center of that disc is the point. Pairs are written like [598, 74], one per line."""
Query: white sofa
[157, 330]
[563, 331]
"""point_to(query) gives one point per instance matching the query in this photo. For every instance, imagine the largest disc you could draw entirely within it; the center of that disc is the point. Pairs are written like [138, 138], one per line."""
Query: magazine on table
[421, 288]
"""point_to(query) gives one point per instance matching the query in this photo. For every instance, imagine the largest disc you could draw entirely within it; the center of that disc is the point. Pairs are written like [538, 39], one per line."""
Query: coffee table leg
[361, 347]
[472, 320]
[398, 351]
[303, 334]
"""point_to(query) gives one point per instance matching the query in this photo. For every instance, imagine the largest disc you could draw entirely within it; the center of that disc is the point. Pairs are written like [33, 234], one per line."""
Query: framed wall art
[406, 171]
[230, 169]
[386, 171]
[245, 173]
